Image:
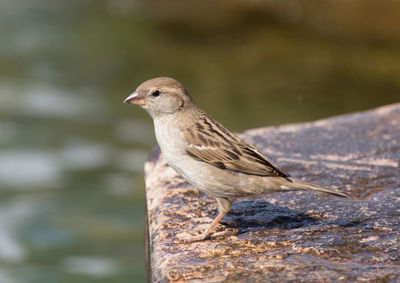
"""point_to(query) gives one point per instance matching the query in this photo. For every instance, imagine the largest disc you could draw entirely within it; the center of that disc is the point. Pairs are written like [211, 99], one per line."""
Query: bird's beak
[135, 98]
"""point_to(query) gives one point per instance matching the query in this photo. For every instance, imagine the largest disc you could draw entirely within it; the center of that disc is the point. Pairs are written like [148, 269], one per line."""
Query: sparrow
[206, 154]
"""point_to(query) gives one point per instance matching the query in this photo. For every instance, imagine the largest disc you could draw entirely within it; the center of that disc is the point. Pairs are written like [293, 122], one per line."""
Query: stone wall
[303, 235]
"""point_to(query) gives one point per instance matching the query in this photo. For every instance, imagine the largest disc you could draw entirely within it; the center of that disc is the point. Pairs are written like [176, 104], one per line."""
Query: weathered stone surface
[302, 236]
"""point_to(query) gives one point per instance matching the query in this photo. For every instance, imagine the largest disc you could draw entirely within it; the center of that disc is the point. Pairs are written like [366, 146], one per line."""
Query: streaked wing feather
[214, 144]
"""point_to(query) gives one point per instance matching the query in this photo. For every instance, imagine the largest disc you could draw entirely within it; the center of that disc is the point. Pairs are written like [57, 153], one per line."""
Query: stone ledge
[301, 236]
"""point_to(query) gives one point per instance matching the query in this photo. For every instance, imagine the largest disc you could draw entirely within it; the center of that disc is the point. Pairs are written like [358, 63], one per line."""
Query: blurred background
[71, 154]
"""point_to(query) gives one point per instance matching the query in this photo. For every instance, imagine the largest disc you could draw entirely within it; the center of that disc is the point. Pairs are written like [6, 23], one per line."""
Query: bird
[206, 154]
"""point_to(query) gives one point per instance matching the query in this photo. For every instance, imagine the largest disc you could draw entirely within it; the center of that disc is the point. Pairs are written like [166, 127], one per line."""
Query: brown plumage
[214, 144]
[208, 155]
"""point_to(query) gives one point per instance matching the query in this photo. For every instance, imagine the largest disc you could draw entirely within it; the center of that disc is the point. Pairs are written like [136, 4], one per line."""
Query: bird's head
[160, 96]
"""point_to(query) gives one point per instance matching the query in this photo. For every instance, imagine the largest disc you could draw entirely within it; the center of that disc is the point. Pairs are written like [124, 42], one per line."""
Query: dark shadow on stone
[259, 215]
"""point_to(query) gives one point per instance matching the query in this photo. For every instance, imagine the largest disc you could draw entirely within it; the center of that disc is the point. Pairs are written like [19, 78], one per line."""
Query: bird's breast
[170, 139]
[202, 175]
[172, 143]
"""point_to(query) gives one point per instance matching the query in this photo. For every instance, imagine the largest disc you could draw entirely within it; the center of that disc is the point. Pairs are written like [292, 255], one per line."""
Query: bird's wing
[212, 143]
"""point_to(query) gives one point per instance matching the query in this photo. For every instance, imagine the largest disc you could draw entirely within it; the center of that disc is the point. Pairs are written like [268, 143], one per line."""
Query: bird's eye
[156, 93]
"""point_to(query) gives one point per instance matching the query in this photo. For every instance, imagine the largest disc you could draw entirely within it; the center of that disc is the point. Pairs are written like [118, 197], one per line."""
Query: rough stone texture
[291, 236]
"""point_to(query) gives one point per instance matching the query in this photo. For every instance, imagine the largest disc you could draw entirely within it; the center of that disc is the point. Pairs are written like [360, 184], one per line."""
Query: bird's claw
[188, 238]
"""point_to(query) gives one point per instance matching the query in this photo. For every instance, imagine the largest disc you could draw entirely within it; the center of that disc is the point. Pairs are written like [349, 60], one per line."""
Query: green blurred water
[71, 154]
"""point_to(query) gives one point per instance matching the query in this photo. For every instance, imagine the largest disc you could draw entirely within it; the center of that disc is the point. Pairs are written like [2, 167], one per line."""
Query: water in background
[71, 154]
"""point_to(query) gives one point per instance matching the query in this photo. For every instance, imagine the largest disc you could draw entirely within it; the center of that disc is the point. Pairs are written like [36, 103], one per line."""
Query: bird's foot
[189, 238]
[222, 233]
[205, 234]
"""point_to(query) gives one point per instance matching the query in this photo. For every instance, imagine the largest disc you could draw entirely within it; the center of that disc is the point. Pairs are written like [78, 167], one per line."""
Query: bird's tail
[295, 184]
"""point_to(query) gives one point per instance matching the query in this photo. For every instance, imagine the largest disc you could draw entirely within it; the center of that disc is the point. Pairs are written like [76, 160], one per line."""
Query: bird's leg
[223, 207]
